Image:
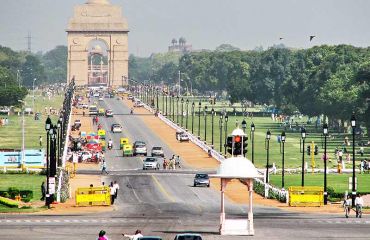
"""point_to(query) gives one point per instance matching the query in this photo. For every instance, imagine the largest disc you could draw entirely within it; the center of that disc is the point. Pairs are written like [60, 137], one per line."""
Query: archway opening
[98, 66]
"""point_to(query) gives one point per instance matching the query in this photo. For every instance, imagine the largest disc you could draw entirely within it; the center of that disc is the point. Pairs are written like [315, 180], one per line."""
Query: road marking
[161, 188]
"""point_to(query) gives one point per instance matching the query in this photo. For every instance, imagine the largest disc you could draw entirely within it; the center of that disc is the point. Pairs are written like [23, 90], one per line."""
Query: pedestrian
[348, 158]
[362, 151]
[40, 141]
[6, 121]
[136, 236]
[362, 165]
[94, 121]
[359, 202]
[340, 155]
[116, 187]
[177, 161]
[104, 167]
[112, 193]
[43, 191]
[165, 163]
[102, 235]
[347, 206]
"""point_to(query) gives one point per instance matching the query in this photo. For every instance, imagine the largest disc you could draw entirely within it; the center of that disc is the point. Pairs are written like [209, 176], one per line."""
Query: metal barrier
[93, 196]
[306, 196]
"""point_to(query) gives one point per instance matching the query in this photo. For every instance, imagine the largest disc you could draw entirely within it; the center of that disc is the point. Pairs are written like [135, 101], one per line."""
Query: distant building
[180, 46]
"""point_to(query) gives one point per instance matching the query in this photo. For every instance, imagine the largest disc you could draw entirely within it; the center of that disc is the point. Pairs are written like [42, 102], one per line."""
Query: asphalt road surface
[164, 203]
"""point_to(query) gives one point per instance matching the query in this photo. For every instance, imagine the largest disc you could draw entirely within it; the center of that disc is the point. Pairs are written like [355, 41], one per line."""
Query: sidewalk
[195, 157]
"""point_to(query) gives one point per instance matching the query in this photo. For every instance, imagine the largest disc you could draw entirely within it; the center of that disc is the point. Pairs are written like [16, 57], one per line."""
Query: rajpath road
[165, 203]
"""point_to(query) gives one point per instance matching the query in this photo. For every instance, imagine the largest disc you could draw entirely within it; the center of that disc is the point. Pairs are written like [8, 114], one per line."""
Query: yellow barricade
[93, 196]
[306, 196]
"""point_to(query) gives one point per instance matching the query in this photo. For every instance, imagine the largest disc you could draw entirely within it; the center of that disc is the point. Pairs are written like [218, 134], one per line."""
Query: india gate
[98, 45]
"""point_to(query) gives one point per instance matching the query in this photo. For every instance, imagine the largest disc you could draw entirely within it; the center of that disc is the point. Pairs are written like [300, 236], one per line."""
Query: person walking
[102, 236]
[116, 188]
[43, 191]
[104, 167]
[347, 206]
[112, 193]
[135, 236]
[177, 161]
[40, 141]
[359, 202]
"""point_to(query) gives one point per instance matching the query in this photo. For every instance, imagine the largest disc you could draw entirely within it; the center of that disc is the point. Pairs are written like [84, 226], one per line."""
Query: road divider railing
[309, 196]
[93, 196]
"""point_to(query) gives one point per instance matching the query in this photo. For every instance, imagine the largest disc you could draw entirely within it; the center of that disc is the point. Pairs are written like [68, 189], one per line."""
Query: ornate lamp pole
[187, 113]
[58, 142]
[268, 137]
[325, 132]
[199, 106]
[166, 103]
[221, 126]
[213, 114]
[173, 108]
[48, 126]
[226, 121]
[252, 131]
[182, 112]
[205, 123]
[303, 135]
[282, 176]
[192, 117]
[353, 124]
[163, 111]
[244, 125]
[177, 110]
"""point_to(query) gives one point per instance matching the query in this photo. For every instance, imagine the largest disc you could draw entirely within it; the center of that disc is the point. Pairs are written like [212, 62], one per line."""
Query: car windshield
[201, 176]
[116, 125]
[140, 144]
[150, 160]
[189, 238]
[157, 148]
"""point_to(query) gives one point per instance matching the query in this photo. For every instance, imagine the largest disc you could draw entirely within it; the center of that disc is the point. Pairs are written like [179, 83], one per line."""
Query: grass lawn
[11, 135]
[5, 209]
[337, 181]
[23, 182]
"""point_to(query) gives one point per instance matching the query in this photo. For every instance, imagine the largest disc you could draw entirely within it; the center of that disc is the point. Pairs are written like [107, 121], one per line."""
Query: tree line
[329, 80]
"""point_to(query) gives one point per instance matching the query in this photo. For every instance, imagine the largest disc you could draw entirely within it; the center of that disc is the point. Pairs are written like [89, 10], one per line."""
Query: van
[93, 110]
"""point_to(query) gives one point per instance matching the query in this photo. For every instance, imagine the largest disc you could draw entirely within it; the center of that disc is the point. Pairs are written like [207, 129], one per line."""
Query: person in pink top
[102, 235]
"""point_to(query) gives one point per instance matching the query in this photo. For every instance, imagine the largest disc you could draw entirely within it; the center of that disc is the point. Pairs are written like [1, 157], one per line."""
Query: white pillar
[250, 212]
[222, 215]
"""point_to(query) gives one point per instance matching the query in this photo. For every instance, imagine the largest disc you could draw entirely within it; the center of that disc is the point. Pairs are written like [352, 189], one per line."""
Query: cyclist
[359, 202]
[347, 206]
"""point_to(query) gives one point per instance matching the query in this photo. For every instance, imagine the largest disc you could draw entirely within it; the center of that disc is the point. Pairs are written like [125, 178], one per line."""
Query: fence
[93, 196]
[306, 196]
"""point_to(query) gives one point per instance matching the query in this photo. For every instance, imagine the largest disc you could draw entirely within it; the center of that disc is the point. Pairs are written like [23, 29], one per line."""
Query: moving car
[96, 95]
[77, 123]
[116, 128]
[101, 99]
[140, 148]
[149, 238]
[151, 163]
[188, 236]
[157, 151]
[139, 104]
[85, 155]
[201, 179]
[184, 137]
[93, 110]
[109, 113]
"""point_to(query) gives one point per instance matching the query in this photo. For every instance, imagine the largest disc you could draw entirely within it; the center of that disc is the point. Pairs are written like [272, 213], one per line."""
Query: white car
[183, 137]
[84, 155]
[138, 104]
[96, 95]
[151, 163]
[139, 148]
[101, 99]
[116, 128]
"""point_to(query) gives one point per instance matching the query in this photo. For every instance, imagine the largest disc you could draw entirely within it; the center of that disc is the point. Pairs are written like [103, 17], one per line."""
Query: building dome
[101, 2]
[237, 167]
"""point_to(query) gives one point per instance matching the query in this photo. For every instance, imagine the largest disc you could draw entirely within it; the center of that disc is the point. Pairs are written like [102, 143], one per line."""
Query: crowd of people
[172, 163]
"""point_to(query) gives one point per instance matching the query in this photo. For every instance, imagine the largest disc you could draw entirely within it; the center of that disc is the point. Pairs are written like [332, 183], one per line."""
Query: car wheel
[208, 185]
[194, 185]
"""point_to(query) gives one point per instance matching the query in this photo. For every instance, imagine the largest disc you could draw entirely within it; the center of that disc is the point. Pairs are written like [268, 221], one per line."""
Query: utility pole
[29, 42]
[179, 83]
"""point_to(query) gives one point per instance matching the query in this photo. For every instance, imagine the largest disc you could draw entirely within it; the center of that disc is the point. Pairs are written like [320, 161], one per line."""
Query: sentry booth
[236, 168]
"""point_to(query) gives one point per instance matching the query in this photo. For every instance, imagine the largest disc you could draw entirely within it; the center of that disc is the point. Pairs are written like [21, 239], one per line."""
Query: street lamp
[213, 114]
[252, 131]
[157, 92]
[199, 106]
[353, 124]
[59, 124]
[23, 137]
[244, 125]
[166, 104]
[192, 117]
[226, 121]
[173, 108]
[282, 176]
[268, 137]
[205, 123]
[177, 109]
[220, 123]
[182, 112]
[48, 126]
[33, 92]
[187, 113]
[325, 131]
[303, 135]
[163, 102]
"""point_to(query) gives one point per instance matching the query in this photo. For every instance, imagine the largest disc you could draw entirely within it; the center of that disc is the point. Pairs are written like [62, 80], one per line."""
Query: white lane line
[133, 190]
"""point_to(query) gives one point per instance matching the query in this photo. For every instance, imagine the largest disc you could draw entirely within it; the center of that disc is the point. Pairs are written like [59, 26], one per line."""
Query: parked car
[201, 179]
[108, 113]
[116, 128]
[140, 148]
[188, 236]
[151, 163]
[157, 151]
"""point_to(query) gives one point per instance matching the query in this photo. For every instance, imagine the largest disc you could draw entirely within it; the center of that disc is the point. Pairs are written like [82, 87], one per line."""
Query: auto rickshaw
[101, 134]
[101, 111]
[103, 145]
[127, 150]
[122, 142]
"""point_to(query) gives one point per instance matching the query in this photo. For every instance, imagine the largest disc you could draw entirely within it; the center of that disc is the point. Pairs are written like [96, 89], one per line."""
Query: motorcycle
[110, 146]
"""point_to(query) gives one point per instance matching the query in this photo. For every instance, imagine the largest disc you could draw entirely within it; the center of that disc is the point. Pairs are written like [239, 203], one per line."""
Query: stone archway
[98, 20]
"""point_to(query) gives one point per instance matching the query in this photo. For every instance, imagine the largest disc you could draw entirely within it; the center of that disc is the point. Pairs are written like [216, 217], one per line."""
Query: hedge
[26, 195]
[9, 202]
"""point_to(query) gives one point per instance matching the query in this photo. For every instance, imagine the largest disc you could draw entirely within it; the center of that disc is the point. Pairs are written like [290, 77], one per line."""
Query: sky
[205, 24]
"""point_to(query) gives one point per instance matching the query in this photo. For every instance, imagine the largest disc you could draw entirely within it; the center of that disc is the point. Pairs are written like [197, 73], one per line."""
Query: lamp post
[353, 124]
[325, 131]
[23, 137]
[213, 114]
[163, 102]
[252, 131]
[187, 112]
[173, 108]
[33, 93]
[157, 92]
[244, 125]
[303, 135]
[177, 110]
[48, 126]
[268, 137]
[226, 121]
[61, 138]
[182, 112]
[199, 106]
[282, 176]
[205, 123]
[166, 104]
[192, 117]
[220, 123]
[58, 142]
